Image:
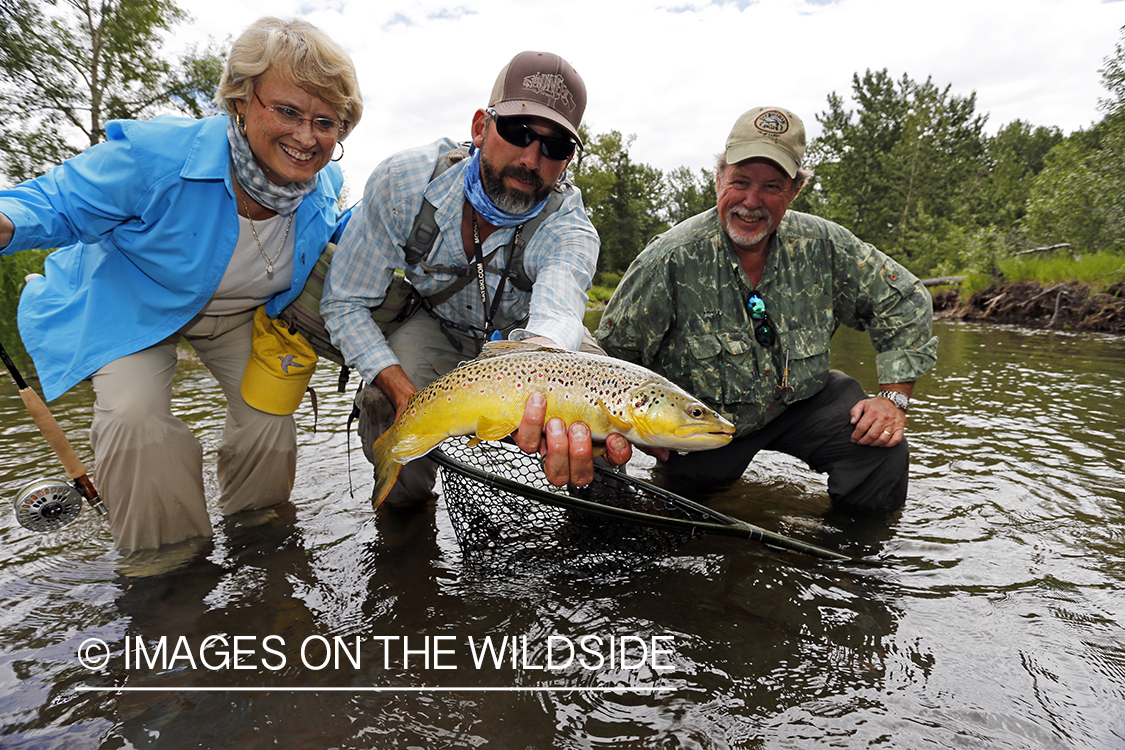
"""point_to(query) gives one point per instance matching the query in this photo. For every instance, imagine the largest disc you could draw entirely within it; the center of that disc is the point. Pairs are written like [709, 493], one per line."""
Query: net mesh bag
[509, 519]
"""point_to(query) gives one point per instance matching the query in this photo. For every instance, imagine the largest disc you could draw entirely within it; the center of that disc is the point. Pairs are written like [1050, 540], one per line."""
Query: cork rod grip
[53, 433]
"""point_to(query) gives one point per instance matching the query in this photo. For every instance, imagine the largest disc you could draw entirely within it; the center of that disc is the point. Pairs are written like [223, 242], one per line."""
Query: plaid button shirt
[560, 258]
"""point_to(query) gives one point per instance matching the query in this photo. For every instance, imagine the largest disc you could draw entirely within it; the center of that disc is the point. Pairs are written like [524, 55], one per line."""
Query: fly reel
[46, 505]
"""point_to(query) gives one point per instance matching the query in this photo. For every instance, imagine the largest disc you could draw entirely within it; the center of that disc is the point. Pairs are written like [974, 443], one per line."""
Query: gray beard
[511, 200]
[741, 238]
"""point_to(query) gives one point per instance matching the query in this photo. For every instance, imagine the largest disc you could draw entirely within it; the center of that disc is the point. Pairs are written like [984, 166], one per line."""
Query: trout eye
[696, 412]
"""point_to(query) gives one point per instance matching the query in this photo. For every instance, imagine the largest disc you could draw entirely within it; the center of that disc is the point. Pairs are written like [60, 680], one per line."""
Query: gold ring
[887, 432]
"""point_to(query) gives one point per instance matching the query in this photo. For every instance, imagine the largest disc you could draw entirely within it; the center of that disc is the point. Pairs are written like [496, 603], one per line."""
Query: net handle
[731, 526]
[722, 524]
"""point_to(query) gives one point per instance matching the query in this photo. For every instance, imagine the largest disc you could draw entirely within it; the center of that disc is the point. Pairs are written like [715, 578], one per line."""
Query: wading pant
[817, 431]
[425, 354]
[150, 465]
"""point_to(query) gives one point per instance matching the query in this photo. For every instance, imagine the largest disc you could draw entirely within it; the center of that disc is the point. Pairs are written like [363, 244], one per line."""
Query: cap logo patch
[287, 361]
[551, 86]
[772, 122]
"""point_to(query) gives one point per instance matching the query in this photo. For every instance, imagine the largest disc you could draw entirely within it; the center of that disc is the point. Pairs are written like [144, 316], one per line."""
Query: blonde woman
[180, 227]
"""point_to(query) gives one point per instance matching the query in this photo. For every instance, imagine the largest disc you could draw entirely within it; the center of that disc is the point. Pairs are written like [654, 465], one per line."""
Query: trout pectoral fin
[410, 447]
[494, 429]
[619, 423]
[642, 431]
[615, 420]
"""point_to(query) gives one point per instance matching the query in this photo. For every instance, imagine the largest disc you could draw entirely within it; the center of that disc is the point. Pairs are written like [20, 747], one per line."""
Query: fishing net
[509, 518]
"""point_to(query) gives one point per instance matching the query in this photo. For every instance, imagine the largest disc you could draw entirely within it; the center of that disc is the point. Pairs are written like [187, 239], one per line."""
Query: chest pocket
[809, 359]
[724, 366]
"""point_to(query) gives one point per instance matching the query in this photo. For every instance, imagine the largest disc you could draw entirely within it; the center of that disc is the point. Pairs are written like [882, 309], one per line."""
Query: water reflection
[996, 623]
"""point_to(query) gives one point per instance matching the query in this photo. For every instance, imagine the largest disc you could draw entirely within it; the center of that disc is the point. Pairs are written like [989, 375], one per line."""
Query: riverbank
[1066, 305]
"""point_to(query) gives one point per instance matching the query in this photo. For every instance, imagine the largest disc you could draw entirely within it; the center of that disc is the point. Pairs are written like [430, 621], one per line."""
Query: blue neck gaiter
[493, 214]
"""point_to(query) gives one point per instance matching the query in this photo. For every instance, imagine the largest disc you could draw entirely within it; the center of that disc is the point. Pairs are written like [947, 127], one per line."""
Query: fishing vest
[424, 232]
[401, 301]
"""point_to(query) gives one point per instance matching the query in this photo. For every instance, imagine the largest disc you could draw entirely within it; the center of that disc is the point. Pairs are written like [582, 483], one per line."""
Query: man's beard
[511, 200]
[742, 239]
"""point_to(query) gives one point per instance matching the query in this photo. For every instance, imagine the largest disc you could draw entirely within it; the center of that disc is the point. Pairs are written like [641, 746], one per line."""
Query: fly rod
[48, 504]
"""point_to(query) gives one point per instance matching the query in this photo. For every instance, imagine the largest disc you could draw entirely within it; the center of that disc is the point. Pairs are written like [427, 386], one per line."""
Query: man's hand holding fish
[568, 453]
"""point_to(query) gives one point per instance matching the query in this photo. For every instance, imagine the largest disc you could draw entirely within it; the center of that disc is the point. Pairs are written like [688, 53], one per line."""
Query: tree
[68, 66]
[898, 167]
[622, 198]
[847, 157]
[688, 193]
[1113, 78]
[1079, 196]
[1110, 163]
[1012, 159]
[1063, 204]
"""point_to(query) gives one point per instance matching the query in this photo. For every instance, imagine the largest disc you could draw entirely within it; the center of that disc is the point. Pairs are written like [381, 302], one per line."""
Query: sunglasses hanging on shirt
[764, 332]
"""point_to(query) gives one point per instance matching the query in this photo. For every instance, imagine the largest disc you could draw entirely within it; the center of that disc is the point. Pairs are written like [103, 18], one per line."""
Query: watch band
[901, 400]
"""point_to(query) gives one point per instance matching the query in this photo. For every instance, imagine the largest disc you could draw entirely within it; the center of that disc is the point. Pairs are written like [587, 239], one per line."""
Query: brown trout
[486, 396]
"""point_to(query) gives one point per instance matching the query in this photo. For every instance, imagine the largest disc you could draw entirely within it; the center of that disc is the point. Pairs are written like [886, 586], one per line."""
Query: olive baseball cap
[541, 84]
[768, 133]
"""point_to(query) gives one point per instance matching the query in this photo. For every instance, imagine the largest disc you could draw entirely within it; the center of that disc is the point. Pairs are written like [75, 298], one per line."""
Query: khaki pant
[425, 354]
[150, 465]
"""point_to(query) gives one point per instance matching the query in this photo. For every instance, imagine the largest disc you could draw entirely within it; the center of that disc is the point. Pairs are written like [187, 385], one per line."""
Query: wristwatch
[901, 400]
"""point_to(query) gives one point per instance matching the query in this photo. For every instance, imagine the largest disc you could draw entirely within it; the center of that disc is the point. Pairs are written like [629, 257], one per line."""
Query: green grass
[600, 294]
[1098, 270]
[605, 283]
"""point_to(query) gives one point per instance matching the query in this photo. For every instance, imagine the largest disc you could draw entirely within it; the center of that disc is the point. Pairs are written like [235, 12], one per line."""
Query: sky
[676, 74]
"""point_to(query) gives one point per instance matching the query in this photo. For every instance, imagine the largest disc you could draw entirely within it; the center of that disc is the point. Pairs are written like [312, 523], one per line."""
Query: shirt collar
[209, 158]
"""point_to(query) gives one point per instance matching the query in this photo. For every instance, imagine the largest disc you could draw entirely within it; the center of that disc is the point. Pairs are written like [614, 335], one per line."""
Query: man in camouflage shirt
[738, 305]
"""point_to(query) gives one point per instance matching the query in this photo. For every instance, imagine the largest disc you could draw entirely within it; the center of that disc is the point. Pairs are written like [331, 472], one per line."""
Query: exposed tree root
[1070, 306]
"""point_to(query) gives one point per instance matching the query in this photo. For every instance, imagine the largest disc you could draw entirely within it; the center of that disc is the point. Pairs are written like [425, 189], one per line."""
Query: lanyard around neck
[479, 261]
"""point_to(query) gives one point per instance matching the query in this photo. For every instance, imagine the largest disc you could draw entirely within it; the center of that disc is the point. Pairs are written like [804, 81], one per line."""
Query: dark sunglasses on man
[518, 133]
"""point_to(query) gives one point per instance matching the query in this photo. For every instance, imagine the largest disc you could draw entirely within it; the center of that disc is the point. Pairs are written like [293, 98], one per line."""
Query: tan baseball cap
[768, 133]
[541, 84]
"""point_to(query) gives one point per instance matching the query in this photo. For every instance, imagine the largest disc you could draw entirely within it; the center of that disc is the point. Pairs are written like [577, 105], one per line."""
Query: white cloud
[678, 73]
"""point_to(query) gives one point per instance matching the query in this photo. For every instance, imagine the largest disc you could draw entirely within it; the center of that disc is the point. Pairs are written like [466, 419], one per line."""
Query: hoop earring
[240, 121]
[341, 145]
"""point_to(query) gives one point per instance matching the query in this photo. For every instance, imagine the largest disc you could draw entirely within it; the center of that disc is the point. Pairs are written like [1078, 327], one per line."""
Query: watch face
[901, 400]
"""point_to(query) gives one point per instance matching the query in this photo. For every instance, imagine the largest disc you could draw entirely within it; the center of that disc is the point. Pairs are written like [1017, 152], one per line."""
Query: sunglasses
[520, 134]
[764, 333]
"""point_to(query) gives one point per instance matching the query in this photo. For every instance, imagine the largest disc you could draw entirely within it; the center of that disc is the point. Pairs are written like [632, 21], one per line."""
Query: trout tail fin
[386, 468]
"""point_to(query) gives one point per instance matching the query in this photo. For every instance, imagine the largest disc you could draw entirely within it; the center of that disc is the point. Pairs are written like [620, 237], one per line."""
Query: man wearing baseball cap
[738, 305]
[509, 188]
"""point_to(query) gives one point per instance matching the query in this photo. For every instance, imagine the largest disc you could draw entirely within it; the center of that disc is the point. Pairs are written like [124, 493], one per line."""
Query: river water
[993, 621]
